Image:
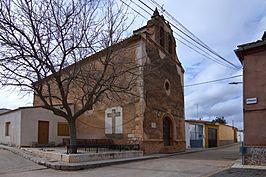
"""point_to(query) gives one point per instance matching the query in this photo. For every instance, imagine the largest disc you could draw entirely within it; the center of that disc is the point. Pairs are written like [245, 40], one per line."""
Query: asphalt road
[198, 164]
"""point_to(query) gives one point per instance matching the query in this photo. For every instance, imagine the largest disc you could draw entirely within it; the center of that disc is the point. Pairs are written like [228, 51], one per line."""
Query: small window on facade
[62, 129]
[170, 46]
[167, 87]
[7, 133]
[162, 36]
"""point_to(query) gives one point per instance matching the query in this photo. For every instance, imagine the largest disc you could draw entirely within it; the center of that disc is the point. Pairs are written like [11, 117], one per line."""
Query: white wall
[188, 128]
[187, 132]
[240, 137]
[14, 117]
[29, 126]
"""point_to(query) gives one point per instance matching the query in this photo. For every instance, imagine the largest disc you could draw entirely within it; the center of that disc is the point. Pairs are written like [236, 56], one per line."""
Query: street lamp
[235, 83]
[242, 148]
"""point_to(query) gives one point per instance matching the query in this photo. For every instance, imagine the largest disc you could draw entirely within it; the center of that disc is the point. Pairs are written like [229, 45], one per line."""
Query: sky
[222, 25]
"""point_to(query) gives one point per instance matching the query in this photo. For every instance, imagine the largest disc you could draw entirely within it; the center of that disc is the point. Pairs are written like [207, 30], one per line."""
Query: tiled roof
[263, 38]
[206, 122]
[248, 46]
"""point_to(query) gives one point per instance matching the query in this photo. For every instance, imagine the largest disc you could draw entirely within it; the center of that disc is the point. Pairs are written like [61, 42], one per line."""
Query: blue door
[196, 136]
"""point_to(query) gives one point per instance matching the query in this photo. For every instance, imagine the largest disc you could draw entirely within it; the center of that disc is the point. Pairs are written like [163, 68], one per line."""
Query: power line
[217, 80]
[194, 38]
[207, 55]
[197, 39]
[142, 7]
[145, 5]
[133, 9]
[175, 20]
[210, 50]
[175, 33]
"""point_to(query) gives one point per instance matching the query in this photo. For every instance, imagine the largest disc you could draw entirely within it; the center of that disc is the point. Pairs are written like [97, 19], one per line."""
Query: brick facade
[252, 57]
[161, 95]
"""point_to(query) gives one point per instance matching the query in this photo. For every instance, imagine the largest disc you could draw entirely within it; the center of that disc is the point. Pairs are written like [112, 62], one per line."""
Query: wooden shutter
[62, 129]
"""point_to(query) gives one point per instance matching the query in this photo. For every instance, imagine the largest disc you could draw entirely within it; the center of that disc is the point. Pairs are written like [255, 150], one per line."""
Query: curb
[94, 164]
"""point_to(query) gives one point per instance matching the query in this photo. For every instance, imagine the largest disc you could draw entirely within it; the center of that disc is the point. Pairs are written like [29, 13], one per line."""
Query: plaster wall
[187, 132]
[226, 135]
[29, 125]
[255, 87]
[14, 137]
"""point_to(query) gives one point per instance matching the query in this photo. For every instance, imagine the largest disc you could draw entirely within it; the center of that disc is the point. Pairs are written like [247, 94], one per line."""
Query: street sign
[251, 101]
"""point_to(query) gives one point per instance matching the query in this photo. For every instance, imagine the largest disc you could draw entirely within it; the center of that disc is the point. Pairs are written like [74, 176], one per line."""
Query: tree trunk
[73, 136]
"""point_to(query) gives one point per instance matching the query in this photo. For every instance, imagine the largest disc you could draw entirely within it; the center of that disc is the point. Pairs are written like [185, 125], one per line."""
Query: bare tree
[44, 45]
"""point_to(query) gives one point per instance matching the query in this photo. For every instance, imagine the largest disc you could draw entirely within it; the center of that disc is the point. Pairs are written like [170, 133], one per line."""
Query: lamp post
[235, 83]
[242, 148]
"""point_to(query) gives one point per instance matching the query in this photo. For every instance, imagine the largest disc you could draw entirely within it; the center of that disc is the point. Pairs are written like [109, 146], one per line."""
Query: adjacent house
[155, 120]
[32, 126]
[2, 110]
[195, 134]
[206, 134]
[253, 58]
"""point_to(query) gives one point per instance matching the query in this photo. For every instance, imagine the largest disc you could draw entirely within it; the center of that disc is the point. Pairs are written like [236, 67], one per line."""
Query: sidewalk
[239, 170]
[238, 164]
[59, 165]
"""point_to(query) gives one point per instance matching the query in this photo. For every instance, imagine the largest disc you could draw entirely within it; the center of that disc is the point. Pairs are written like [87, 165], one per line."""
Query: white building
[30, 126]
[194, 134]
[240, 136]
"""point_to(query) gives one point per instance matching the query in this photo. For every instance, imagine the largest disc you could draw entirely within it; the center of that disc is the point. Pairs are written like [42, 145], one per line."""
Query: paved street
[241, 173]
[13, 164]
[197, 164]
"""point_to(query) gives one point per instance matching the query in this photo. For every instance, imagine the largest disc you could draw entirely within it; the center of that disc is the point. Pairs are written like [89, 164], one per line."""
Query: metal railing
[102, 148]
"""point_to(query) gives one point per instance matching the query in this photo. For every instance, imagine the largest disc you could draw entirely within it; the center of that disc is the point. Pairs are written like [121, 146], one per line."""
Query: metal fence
[102, 148]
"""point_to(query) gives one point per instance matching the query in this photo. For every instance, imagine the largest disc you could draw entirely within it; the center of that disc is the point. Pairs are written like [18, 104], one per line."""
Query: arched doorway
[167, 124]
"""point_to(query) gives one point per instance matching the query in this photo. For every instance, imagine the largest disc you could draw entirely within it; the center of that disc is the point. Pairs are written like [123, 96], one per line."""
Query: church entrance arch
[167, 129]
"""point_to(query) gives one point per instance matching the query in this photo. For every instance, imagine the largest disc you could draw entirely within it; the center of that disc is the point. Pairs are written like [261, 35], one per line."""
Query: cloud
[222, 25]
[11, 98]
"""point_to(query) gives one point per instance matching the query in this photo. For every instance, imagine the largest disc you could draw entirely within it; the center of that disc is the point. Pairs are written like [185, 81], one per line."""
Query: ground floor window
[7, 129]
[62, 129]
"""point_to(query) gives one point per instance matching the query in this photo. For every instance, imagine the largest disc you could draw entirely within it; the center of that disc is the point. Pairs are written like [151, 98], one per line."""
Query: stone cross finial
[264, 36]
[156, 12]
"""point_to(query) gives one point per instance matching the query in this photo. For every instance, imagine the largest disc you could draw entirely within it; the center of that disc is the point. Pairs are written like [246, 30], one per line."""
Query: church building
[155, 120]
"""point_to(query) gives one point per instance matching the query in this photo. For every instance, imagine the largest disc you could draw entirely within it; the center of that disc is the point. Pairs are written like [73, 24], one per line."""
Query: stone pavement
[214, 162]
[59, 165]
[239, 170]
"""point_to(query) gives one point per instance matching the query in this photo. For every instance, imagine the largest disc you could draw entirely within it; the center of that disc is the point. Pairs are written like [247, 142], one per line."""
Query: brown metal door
[212, 137]
[166, 132]
[43, 132]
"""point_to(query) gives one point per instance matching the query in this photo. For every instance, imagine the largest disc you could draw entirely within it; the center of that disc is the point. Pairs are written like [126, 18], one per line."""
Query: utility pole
[197, 111]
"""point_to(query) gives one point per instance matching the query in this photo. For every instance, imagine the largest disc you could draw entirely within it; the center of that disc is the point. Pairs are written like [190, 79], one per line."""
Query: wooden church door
[167, 131]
